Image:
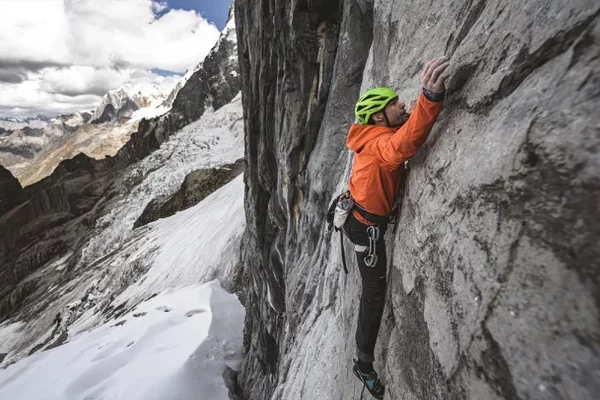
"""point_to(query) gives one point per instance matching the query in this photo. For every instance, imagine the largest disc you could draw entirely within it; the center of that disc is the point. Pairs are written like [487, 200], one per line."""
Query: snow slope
[173, 346]
[217, 138]
[190, 237]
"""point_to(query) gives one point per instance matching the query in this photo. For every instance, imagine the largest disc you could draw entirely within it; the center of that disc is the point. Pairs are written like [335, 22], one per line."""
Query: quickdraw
[371, 257]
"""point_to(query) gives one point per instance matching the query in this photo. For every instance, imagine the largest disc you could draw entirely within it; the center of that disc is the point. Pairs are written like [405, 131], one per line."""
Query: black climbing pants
[372, 298]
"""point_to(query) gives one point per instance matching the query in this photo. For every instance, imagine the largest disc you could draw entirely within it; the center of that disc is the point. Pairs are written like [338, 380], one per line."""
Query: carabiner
[373, 234]
[371, 260]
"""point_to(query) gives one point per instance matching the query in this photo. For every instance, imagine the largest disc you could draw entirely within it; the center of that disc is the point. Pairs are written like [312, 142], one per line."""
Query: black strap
[343, 254]
[331, 213]
[433, 96]
[374, 218]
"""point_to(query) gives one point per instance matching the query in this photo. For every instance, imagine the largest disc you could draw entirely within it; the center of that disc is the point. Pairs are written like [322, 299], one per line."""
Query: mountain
[65, 234]
[33, 155]
[11, 194]
[38, 117]
[13, 123]
[228, 38]
[212, 142]
[35, 147]
[122, 103]
[21, 142]
[88, 236]
[31, 148]
[168, 102]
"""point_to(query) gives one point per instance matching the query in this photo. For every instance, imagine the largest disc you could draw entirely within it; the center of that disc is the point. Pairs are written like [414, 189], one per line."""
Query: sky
[61, 56]
[213, 10]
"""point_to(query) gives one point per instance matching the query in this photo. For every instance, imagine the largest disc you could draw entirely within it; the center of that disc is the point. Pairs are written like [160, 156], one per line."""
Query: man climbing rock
[383, 140]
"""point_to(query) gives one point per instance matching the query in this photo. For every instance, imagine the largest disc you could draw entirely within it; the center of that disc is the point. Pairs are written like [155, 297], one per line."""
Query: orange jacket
[380, 153]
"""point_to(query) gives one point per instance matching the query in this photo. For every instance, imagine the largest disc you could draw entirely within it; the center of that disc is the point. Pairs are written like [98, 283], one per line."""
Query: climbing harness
[337, 215]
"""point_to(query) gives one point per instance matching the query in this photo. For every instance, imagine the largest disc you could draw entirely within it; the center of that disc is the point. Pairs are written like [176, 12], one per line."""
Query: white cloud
[66, 90]
[102, 33]
[90, 45]
[32, 30]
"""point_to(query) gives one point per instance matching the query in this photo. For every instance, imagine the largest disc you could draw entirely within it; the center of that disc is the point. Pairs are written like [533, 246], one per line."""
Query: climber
[386, 137]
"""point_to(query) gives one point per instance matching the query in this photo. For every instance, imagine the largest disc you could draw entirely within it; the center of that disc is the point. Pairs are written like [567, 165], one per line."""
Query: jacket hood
[360, 135]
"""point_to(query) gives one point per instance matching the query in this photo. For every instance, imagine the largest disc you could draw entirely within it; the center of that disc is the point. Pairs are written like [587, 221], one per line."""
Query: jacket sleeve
[394, 149]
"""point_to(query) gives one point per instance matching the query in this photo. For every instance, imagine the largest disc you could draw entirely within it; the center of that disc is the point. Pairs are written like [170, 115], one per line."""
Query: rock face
[49, 220]
[216, 82]
[196, 187]
[110, 114]
[493, 277]
[12, 193]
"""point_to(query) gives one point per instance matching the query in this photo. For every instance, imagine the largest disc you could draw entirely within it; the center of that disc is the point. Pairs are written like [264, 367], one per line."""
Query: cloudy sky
[61, 56]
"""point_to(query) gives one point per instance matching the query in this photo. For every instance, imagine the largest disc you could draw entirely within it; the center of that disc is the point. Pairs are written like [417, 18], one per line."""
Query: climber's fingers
[435, 74]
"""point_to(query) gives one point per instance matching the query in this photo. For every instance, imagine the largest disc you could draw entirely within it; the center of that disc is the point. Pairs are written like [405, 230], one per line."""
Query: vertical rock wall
[494, 271]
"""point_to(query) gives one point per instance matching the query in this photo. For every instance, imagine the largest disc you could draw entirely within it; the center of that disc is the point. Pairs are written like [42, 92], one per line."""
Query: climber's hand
[435, 75]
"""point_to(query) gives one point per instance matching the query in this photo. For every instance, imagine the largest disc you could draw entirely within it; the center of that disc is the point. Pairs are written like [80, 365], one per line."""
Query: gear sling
[338, 213]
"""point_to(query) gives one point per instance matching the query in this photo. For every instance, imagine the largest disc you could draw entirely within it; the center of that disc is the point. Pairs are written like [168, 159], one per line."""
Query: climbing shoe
[370, 381]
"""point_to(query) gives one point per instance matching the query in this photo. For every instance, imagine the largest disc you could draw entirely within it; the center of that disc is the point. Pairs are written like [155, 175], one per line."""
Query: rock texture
[52, 219]
[196, 187]
[110, 114]
[493, 272]
[216, 82]
[12, 193]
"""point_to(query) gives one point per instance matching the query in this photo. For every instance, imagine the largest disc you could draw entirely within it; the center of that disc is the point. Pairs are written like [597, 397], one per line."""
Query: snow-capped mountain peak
[122, 102]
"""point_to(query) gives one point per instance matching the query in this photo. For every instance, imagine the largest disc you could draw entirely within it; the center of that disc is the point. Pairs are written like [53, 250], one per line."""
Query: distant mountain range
[38, 117]
[32, 147]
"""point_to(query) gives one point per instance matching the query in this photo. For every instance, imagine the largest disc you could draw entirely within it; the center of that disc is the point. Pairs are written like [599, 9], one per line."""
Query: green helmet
[372, 101]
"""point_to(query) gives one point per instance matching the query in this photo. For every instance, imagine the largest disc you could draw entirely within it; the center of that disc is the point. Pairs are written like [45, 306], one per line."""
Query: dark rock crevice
[472, 15]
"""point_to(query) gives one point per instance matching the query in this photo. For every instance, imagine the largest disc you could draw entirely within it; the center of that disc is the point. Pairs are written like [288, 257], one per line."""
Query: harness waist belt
[376, 219]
